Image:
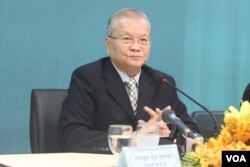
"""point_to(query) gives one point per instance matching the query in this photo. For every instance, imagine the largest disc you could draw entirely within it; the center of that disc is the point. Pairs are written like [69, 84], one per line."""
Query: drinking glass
[119, 136]
[147, 134]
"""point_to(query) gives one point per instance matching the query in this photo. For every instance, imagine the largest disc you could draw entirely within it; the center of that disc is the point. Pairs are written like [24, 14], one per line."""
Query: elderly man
[118, 89]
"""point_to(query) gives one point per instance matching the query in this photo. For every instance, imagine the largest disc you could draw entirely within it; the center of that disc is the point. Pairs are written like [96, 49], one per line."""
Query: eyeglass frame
[129, 43]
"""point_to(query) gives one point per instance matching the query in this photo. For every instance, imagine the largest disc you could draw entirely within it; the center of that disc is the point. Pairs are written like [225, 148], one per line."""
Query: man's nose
[135, 46]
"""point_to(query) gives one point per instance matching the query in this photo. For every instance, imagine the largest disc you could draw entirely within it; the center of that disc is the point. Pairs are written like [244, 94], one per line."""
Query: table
[59, 160]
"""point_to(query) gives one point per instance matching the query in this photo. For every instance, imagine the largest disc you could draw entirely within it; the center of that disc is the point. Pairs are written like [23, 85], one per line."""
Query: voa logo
[236, 158]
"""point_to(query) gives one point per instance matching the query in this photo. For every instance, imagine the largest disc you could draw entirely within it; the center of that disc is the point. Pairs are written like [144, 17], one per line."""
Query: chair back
[205, 122]
[46, 106]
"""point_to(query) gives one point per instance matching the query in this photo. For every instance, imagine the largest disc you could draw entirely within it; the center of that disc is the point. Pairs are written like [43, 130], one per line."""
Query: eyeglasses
[128, 40]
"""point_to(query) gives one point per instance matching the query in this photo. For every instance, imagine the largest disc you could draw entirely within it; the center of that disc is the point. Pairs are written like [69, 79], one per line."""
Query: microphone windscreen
[168, 116]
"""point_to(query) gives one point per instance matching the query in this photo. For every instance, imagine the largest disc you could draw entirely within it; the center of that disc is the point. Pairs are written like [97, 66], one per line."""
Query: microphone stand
[201, 106]
[173, 133]
[176, 134]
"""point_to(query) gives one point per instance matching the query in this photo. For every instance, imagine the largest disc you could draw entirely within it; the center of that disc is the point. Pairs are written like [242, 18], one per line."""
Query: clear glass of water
[119, 136]
[147, 134]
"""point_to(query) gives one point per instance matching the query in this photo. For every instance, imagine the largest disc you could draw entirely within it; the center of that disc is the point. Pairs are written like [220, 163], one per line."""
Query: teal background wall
[203, 44]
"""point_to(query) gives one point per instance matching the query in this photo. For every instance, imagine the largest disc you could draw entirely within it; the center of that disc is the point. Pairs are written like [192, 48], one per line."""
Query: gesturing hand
[155, 118]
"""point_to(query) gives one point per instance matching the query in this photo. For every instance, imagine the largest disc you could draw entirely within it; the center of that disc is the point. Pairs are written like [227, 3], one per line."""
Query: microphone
[161, 78]
[169, 116]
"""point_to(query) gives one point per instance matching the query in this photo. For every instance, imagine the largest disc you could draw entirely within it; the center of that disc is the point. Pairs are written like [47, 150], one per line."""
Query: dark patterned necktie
[131, 85]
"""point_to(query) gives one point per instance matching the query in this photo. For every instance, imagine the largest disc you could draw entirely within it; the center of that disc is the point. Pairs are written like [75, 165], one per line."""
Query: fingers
[167, 108]
[162, 125]
[150, 112]
[158, 111]
[164, 130]
[165, 133]
[155, 115]
[141, 121]
[155, 118]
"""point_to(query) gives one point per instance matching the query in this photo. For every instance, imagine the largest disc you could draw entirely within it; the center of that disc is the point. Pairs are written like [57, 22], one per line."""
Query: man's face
[129, 44]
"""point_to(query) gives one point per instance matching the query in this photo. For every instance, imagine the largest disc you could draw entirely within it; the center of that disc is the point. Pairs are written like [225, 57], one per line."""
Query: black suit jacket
[97, 98]
[246, 93]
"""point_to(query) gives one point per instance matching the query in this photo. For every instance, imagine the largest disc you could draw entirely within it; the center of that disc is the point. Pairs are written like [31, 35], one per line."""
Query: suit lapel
[115, 87]
[146, 91]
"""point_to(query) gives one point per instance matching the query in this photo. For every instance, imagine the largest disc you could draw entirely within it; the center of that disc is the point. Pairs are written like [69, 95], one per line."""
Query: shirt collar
[125, 77]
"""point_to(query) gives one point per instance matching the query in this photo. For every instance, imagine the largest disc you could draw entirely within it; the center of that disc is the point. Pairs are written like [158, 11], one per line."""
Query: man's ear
[107, 43]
